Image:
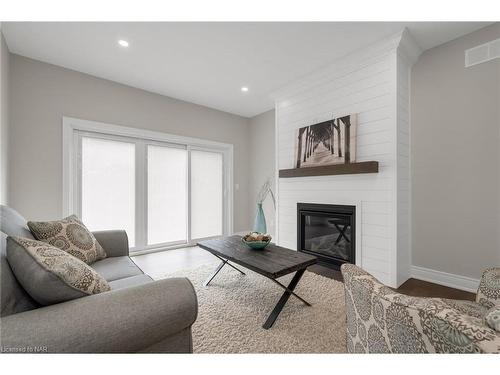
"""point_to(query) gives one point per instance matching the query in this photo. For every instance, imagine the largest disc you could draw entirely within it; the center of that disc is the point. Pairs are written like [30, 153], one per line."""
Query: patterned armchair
[381, 320]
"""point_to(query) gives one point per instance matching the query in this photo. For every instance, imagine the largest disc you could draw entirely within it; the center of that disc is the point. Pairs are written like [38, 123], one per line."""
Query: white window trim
[70, 163]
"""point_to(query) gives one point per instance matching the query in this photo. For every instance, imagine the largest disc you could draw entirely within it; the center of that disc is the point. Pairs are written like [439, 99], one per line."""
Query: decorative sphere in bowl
[256, 240]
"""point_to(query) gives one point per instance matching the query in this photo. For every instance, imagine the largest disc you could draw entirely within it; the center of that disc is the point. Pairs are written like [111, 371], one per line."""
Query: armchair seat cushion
[130, 282]
[469, 308]
[116, 268]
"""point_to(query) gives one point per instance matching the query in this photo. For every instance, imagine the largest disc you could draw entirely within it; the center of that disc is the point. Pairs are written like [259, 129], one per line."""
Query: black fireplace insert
[328, 232]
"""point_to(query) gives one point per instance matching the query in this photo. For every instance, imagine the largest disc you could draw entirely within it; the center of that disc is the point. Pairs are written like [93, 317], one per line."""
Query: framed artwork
[325, 143]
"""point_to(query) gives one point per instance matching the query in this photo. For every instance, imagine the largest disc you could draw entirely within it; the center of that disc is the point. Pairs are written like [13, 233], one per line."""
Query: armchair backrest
[381, 320]
[13, 297]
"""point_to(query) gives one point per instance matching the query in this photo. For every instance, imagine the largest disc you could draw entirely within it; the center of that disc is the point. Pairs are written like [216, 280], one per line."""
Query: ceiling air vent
[484, 52]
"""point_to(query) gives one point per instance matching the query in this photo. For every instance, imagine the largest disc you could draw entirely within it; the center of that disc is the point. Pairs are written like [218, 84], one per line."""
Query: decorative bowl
[255, 244]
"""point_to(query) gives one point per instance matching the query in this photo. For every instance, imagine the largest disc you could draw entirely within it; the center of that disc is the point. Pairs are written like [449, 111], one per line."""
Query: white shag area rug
[233, 308]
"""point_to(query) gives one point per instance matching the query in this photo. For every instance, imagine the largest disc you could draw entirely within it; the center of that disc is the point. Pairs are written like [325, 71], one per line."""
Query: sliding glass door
[206, 194]
[167, 195]
[162, 194]
[108, 185]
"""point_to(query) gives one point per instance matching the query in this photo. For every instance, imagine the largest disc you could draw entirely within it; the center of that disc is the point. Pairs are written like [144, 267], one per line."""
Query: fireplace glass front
[327, 231]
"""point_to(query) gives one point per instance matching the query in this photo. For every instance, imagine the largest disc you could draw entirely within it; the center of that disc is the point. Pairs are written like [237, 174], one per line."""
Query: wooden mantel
[327, 170]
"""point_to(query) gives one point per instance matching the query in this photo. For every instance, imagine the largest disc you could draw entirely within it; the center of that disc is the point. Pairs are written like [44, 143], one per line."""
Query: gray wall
[262, 164]
[455, 158]
[41, 94]
[4, 119]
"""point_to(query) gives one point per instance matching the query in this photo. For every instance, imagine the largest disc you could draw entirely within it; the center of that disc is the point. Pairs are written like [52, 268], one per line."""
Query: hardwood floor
[411, 287]
[419, 288]
[169, 261]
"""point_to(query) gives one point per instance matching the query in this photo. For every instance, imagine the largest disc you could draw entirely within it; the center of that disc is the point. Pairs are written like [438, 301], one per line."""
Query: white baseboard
[443, 278]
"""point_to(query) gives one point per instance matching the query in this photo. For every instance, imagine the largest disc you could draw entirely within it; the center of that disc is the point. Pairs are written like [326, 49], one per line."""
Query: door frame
[71, 127]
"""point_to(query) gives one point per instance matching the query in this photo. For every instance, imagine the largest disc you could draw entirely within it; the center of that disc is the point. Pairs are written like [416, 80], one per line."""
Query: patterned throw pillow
[492, 318]
[488, 293]
[49, 274]
[70, 235]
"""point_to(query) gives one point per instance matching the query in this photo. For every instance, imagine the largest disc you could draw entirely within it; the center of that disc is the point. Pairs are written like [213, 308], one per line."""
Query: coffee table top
[273, 261]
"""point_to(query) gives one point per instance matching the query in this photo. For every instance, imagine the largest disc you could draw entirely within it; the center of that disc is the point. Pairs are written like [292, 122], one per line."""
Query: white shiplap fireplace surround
[374, 83]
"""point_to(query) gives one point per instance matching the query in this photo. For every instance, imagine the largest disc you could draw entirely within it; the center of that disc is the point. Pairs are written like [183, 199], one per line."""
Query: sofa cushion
[70, 235]
[130, 281]
[13, 298]
[116, 268]
[49, 274]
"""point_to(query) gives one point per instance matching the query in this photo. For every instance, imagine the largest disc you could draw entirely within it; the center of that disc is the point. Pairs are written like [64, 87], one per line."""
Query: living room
[187, 187]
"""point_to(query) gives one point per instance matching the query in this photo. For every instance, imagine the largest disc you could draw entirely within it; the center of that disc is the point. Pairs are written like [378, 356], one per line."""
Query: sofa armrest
[124, 320]
[488, 293]
[114, 242]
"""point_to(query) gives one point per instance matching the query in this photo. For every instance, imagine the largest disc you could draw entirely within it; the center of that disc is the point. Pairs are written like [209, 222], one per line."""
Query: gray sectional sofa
[137, 315]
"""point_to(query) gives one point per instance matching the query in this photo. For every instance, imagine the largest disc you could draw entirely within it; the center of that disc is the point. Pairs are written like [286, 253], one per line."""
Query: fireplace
[328, 232]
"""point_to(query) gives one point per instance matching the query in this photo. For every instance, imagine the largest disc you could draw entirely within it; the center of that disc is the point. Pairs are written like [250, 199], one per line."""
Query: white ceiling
[208, 63]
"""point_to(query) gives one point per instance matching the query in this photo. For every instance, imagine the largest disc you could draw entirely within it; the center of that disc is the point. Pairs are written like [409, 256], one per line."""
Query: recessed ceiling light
[123, 43]
[244, 89]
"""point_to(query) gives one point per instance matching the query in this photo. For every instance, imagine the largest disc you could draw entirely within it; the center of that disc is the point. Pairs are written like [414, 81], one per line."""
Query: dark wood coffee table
[271, 262]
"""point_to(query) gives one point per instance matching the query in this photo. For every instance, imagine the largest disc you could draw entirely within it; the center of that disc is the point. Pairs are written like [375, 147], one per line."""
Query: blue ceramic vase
[259, 224]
